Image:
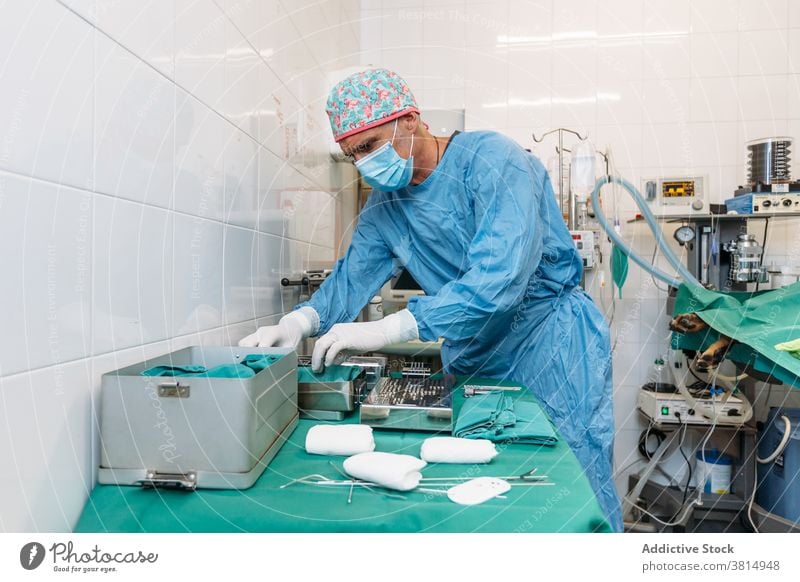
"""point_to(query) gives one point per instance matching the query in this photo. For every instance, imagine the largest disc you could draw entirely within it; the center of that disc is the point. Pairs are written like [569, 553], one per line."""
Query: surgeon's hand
[345, 339]
[292, 328]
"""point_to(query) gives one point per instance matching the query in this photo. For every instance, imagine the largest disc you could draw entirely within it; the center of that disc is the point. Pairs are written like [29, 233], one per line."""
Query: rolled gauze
[456, 450]
[339, 439]
[388, 470]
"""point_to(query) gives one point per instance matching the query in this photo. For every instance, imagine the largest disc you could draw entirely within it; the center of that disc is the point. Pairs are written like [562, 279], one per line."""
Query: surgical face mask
[384, 169]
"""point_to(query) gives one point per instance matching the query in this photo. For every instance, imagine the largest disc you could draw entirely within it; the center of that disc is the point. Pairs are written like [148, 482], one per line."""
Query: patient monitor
[398, 290]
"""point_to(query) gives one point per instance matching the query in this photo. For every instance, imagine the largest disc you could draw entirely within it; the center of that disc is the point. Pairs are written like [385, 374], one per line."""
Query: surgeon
[473, 218]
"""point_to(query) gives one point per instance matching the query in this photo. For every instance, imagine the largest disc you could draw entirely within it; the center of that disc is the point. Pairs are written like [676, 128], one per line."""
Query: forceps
[528, 479]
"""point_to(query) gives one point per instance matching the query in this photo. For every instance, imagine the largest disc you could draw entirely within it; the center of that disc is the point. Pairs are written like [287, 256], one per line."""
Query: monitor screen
[405, 282]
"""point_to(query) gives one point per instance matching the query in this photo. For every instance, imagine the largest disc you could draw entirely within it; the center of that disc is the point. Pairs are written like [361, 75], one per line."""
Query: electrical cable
[691, 370]
[679, 521]
[787, 431]
[752, 499]
[701, 485]
[763, 246]
[680, 449]
[653, 261]
[732, 379]
[633, 494]
[685, 426]
[729, 383]
[670, 478]
[656, 458]
[660, 436]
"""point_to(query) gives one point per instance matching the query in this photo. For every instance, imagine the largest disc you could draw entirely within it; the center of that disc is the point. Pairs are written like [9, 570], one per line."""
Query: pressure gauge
[684, 234]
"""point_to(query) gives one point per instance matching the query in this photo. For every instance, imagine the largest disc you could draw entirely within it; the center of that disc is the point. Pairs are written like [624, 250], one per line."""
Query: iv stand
[572, 210]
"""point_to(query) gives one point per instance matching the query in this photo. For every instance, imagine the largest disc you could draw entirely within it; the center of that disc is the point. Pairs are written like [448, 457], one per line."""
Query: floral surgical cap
[367, 99]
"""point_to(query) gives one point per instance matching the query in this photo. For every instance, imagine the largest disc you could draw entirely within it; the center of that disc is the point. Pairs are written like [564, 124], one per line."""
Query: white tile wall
[714, 15]
[556, 63]
[666, 56]
[197, 275]
[200, 49]
[45, 293]
[46, 102]
[762, 14]
[672, 86]
[134, 121]
[714, 54]
[619, 18]
[158, 176]
[46, 445]
[763, 52]
[144, 28]
[159, 160]
[666, 16]
[132, 278]
[201, 138]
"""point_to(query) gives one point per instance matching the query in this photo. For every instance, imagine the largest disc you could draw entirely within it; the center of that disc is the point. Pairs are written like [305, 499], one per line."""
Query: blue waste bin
[779, 481]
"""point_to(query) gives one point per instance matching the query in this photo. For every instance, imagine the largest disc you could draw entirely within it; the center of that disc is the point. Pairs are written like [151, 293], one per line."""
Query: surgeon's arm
[357, 276]
[503, 255]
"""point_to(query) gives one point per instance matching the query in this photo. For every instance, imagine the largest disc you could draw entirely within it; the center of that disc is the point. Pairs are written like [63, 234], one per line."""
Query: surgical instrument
[473, 389]
[528, 479]
[364, 484]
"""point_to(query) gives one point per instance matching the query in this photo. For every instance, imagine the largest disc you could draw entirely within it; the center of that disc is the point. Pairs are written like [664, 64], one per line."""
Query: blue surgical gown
[484, 238]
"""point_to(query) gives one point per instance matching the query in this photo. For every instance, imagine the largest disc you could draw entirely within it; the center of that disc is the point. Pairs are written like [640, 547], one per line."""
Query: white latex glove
[345, 339]
[292, 328]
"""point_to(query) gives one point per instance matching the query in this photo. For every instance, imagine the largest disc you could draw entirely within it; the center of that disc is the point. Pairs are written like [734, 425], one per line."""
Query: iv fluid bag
[582, 170]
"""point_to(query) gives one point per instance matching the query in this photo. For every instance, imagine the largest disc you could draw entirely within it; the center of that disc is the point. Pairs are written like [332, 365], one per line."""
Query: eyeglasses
[362, 148]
